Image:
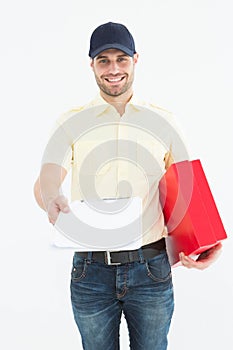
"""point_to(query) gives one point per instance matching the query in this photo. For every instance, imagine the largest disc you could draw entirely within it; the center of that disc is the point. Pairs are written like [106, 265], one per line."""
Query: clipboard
[100, 225]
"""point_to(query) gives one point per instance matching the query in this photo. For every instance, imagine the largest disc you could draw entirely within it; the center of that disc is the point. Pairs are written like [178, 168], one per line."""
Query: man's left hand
[204, 260]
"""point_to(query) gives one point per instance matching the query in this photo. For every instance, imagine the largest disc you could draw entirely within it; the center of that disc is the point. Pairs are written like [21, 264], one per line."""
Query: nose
[113, 68]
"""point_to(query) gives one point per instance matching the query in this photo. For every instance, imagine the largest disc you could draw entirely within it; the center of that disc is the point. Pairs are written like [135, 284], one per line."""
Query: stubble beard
[114, 92]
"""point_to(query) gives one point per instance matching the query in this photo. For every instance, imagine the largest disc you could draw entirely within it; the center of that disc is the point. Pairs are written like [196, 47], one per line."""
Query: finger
[185, 260]
[52, 216]
[217, 247]
[53, 212]
[64, 208]
[211, 254]
[62, 203]
[200, 263]
[190, 263]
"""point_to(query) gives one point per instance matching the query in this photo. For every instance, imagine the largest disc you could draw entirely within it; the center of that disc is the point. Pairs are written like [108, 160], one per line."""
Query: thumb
[63, 204]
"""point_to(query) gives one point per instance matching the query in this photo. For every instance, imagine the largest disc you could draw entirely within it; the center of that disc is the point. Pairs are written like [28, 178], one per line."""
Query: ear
[135, 57]
[92, 63]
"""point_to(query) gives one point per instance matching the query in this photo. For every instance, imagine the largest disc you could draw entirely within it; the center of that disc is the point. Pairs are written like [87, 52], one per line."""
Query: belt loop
[141, 256]
[89, 257]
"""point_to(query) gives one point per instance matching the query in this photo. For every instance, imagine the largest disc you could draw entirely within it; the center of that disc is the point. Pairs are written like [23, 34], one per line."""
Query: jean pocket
[79, 269]
[159, 268]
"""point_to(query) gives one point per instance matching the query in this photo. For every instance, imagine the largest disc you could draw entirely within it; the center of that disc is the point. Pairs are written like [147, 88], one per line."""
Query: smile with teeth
[114, 80]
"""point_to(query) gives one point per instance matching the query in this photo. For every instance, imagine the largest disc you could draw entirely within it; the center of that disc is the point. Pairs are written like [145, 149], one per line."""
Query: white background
[185, 65]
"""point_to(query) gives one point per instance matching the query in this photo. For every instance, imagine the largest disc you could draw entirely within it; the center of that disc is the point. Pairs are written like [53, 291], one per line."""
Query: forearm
[47, 186]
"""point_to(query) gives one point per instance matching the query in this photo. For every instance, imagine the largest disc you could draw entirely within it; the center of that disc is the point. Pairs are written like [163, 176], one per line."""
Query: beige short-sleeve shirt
[114, 156]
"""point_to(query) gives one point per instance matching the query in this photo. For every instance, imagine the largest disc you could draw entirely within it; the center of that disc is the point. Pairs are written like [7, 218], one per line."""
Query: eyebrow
[106, 56]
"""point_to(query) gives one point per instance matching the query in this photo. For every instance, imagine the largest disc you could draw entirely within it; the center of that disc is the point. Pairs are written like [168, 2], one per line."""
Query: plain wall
[185, 66]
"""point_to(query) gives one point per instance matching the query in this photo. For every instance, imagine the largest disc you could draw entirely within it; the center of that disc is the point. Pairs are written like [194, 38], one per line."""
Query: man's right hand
[54, 206]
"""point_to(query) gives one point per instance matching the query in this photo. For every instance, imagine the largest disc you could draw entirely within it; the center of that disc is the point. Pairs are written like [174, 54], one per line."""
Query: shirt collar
[99, 101]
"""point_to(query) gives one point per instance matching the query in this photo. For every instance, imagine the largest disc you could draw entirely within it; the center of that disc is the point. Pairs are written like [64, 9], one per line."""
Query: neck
[119, 102]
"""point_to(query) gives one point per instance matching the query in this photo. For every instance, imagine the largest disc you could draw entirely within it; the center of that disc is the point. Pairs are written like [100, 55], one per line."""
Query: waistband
[148, 251]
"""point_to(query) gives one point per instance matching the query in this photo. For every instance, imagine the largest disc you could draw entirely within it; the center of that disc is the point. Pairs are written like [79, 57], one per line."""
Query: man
[137, 283]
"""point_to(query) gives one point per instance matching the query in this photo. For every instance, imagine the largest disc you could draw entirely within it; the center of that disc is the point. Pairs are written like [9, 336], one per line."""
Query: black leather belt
[123, 257]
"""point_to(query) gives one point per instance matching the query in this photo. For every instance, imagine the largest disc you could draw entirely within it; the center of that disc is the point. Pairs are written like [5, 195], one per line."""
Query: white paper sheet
[112, 224]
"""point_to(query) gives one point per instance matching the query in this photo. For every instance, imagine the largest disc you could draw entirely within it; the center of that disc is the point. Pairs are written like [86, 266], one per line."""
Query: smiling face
[114, 72]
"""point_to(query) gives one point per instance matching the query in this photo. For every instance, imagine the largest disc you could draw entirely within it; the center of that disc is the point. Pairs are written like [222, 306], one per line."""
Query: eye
[122, 59]
[103, 61]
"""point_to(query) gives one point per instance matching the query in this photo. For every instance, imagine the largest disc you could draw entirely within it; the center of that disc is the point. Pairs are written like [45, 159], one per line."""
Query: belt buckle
[108, 259]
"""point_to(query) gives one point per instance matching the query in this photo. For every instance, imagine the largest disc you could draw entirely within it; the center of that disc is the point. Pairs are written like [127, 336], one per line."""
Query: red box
[191, 216]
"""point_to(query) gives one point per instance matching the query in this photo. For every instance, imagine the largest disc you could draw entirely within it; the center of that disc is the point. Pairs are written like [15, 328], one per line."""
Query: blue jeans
[142, 291]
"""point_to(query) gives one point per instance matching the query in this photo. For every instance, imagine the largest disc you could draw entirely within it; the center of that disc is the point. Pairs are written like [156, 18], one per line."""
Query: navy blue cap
[111, 36]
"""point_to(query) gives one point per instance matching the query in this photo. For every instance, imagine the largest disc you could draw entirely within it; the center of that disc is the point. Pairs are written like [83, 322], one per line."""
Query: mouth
[115, 80]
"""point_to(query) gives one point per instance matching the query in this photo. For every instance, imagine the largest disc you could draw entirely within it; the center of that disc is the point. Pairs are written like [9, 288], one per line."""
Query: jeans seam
[83, 274]
[156, 279]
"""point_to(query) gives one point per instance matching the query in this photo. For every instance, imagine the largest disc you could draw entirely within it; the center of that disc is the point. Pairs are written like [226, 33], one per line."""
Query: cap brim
[126, 50]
